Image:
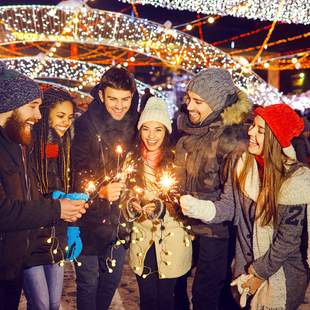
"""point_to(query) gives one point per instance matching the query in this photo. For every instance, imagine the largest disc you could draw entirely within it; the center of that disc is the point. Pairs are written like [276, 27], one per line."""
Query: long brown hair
[275, 173]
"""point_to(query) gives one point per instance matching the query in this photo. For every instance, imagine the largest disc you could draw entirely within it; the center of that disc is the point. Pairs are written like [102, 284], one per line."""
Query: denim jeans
[43, 287]
[95, 285]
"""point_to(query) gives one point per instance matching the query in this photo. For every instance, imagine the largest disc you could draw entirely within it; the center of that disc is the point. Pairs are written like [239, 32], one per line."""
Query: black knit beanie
[16, 89]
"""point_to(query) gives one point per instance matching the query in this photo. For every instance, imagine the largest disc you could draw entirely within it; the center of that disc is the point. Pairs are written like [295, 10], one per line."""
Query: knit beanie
[16, 89]
[283, 121]
[155, 110]
[213, 85]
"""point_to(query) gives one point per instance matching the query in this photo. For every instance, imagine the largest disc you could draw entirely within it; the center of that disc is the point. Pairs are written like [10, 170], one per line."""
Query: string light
[294, 11]
[35, 23]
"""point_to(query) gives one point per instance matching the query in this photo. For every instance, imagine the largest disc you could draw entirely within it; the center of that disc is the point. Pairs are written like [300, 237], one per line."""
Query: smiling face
[256, 136]
[117, 101]
[152, 135]
[61, 117]
[198, 108]
[20, 123]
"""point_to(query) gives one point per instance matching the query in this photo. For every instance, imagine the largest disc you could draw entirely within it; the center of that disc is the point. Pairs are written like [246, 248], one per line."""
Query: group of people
[237, 211]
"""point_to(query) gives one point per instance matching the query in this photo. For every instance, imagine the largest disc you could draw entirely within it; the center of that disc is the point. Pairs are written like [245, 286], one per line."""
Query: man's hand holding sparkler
[111, 191]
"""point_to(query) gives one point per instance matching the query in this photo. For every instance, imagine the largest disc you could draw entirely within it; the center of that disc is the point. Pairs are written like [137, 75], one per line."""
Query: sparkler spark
[90, 187]
[167, 181]
[119, 149]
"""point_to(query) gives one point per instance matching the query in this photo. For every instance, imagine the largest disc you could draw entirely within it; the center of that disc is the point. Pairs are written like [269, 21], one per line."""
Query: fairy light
[294, 12]
[66, 69]
[34, 23]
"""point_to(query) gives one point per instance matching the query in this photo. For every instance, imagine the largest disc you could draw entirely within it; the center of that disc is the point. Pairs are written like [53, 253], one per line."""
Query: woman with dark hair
[43, 276]
[266, 195]
[160, 249]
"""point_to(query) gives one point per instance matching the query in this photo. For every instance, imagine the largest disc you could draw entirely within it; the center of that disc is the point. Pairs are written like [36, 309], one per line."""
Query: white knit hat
[155, 110]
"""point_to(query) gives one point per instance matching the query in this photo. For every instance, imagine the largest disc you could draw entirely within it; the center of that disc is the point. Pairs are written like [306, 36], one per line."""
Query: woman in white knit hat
[160, 249]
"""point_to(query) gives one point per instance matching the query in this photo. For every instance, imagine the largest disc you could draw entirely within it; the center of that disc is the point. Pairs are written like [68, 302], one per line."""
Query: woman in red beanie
[266, 196]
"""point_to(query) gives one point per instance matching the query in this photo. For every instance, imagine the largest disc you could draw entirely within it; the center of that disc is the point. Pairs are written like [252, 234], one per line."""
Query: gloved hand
[244, 292]
[203, 210]
[71, 196]
[75, 245]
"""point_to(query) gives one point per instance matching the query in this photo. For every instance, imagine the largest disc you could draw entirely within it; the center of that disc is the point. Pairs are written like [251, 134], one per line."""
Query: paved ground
[126, 297]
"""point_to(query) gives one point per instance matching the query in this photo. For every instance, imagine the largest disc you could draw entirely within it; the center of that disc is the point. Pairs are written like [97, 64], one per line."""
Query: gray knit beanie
[213, 85]
[16, 89]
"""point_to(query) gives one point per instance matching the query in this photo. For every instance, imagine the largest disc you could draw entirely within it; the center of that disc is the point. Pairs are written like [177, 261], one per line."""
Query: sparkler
[119, 151]
[92, 187]
[168, 186]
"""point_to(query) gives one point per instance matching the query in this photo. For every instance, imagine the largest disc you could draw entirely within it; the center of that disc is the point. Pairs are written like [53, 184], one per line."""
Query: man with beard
[109, 122]
[21, 206]
[212, 128]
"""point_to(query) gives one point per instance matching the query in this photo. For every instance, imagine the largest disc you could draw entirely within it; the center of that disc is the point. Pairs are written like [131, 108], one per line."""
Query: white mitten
[203, 210]
[244, 292]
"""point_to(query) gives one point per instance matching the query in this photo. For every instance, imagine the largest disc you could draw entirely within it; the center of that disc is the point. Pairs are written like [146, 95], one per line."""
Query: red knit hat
[283, 121]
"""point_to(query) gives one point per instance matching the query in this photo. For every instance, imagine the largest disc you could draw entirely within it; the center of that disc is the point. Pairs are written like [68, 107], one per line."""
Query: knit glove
[244, 292]
[75, 245]
[203, 210]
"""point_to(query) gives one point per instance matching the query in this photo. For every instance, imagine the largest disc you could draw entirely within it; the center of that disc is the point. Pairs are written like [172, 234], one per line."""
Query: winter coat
[276, 253]
[50, 239]
[172, 241]
[201, 154]
[93, 153]
[21, 208]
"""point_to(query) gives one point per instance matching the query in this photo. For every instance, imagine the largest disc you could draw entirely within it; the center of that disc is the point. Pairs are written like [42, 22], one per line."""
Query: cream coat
[173, 253]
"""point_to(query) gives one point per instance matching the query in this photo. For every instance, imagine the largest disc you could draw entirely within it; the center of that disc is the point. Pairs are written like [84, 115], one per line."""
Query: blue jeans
[43, 287]
[95, 285]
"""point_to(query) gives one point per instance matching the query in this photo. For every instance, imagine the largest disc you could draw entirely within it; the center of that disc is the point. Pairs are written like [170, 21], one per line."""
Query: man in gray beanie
[211, 128]
[21, 206]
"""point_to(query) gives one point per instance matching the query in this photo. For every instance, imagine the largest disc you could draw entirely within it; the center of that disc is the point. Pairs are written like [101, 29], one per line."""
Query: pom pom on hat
[155, 110]
[16, 89]
[283, 121]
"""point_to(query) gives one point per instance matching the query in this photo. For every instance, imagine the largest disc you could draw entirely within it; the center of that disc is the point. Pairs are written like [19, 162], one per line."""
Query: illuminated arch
[88, 26]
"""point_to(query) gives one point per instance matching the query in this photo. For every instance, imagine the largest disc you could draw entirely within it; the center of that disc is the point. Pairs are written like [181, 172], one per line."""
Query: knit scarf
[191, 148]
[152, 159]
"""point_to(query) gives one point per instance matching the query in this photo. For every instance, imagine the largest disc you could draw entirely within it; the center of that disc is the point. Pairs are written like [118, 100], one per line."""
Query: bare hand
[253, 284]
[111, 191]
[149, 209]
[136, 206]
[72, 210]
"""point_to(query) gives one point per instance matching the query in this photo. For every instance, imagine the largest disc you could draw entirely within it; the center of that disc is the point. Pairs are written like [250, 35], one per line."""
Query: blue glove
[75, 245]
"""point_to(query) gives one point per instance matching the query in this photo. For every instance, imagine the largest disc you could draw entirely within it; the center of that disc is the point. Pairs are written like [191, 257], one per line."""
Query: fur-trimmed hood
[237, 112]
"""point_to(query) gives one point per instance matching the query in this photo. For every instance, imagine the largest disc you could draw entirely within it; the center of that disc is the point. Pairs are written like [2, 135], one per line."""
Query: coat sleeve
[226, 206]
[20, 215]
[287, 241]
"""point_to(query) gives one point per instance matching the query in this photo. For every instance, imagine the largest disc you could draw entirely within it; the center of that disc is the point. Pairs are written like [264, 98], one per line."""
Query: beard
[18, 130]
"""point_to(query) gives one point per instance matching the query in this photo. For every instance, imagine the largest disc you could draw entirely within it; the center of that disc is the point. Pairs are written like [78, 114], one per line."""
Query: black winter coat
[19, 211]
[93, 153]
[43, 251]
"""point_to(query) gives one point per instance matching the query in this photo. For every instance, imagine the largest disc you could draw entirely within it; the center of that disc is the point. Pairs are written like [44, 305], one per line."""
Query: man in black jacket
[110, 122]
[21, 207]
